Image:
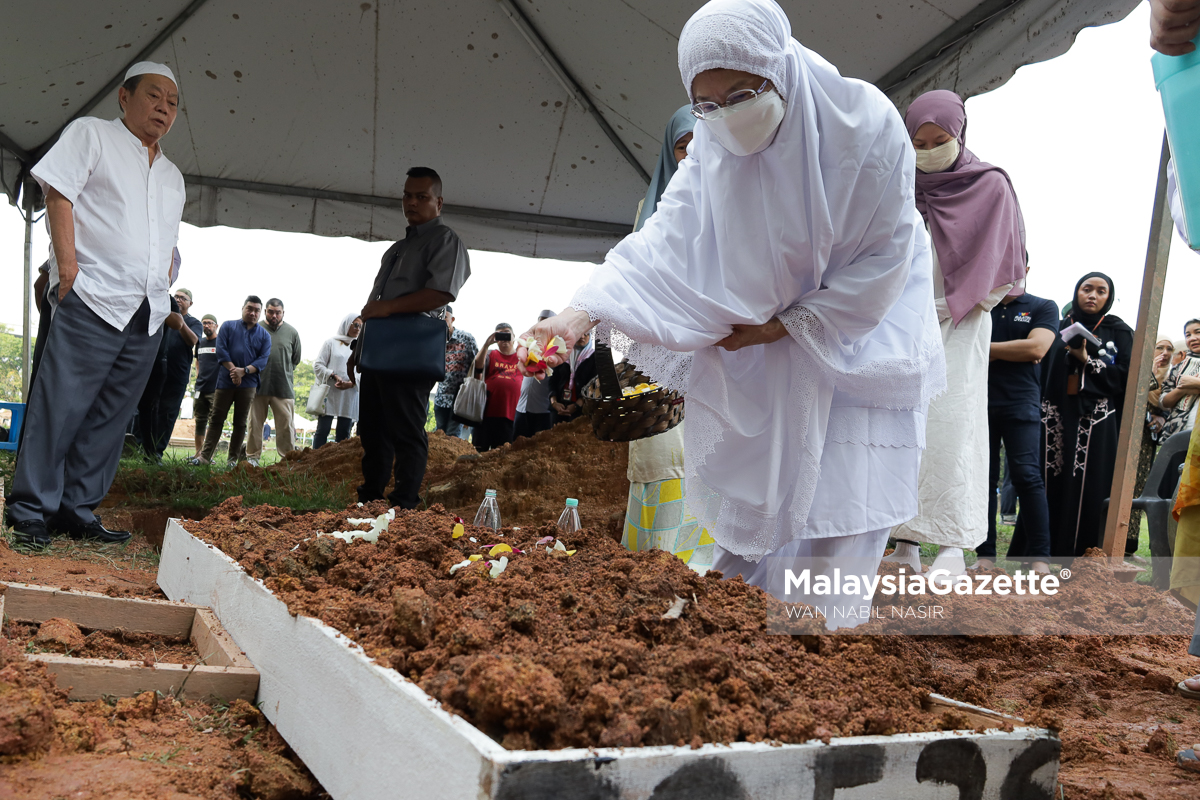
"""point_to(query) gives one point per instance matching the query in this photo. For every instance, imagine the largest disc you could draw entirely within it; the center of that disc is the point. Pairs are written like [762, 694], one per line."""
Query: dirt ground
[569, 648]
[587, 631]
[145, 748]
[466, 638]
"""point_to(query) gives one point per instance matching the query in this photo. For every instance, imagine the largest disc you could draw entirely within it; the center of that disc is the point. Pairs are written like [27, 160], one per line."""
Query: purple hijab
[972, 211]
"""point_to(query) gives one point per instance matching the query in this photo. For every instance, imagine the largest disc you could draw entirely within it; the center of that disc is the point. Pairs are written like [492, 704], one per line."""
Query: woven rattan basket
[616, 418]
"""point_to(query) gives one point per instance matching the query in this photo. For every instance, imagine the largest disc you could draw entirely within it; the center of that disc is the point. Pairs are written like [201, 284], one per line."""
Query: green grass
[1004, 534]
[176, 483]
[8, 462]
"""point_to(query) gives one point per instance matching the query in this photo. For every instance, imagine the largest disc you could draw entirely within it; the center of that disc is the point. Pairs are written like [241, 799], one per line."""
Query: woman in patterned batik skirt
[1082, 395]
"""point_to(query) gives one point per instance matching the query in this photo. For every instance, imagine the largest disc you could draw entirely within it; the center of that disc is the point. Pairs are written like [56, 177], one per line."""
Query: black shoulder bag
[406, 345]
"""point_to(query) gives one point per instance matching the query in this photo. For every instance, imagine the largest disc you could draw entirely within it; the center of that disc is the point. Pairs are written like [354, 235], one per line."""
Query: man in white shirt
[113, 206]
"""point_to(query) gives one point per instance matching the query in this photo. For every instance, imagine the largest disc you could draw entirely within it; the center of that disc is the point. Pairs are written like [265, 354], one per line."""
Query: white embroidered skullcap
[747, 35]
[150, 68]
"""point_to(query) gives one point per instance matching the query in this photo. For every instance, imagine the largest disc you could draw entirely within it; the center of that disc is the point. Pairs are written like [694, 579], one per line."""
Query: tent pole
[27, 202]
[1133, 415]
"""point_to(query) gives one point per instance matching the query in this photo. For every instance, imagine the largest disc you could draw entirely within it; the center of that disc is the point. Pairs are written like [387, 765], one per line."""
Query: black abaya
[1079, 438]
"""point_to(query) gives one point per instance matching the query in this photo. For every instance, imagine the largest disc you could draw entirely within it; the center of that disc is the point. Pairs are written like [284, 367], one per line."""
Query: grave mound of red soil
[534, 476]
[340, 463]
[563, 650]
[138, 748]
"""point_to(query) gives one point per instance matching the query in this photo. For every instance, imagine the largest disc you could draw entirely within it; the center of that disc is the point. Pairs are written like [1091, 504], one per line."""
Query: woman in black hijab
[1082, 395]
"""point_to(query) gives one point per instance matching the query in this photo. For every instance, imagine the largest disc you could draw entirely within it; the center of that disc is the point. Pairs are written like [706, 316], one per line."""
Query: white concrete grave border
[367, 733]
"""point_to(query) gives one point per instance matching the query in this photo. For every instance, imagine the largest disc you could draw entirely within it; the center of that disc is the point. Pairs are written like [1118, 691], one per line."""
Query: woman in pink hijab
[972, 214]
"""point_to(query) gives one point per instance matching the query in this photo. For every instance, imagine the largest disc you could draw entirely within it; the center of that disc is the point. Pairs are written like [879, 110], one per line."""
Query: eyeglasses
[183, 298]
[708, 110]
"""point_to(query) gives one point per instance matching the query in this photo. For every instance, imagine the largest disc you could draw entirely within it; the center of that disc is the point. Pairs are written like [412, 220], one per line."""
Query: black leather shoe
[95, 532]
[31, 532]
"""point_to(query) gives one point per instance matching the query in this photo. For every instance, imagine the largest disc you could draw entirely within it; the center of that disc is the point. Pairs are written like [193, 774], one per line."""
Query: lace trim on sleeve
[877, 427]
[616, 328]
[890, 383]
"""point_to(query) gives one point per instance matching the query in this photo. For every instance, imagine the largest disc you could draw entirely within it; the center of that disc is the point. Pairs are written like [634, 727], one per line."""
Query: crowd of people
[838, 290]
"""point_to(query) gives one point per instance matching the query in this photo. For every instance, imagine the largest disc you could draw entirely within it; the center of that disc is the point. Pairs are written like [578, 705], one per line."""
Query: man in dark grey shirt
[420, 274]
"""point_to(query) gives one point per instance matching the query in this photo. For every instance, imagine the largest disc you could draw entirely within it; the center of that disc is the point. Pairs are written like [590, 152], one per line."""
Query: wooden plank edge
[33, 603]
[980, 716]
[214, 644]
[93, 678]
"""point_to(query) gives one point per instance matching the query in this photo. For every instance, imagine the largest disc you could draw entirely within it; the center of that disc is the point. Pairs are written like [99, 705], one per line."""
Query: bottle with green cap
[568, 520]
[488, 515]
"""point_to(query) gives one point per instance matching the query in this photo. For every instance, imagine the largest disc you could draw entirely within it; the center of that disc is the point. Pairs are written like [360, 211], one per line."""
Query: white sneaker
[252, 462]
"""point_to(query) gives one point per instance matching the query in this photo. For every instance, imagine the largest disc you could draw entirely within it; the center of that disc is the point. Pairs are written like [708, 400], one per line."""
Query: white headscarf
[343, 334]
[820, 230]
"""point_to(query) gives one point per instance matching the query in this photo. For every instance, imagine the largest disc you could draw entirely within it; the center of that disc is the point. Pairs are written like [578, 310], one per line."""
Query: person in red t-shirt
[503, 379]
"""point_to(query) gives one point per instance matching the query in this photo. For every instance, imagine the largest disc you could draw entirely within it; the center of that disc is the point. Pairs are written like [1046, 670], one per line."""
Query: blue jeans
[1022, 440]
[444, 417]
[325, 422]
[1008, 494]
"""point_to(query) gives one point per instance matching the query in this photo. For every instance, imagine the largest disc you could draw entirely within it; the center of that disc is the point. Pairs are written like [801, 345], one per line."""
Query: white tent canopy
[543, 118]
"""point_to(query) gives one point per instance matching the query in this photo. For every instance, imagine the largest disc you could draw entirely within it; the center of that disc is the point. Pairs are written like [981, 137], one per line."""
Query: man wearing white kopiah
[113, 205]
[785, 284]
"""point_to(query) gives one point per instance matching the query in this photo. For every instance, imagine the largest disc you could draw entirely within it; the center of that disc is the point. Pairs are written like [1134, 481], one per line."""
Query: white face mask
[939, 159]
[748, 127]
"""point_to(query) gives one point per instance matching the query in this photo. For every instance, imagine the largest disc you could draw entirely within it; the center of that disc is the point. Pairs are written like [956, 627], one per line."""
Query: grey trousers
[88, 385]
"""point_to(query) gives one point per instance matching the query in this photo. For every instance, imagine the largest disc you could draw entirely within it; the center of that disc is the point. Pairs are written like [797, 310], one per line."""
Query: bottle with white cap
[488, 515]
[568, 520]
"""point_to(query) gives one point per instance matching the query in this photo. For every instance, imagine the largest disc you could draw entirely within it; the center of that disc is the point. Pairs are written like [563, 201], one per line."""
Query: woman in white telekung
[784, 283]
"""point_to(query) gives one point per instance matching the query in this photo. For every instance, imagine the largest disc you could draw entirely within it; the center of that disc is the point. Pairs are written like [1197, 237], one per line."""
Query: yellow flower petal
[458, 531]
[500, 548]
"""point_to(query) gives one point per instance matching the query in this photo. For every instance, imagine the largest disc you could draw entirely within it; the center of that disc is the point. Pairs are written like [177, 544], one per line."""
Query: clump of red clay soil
[532, 477]
[570, 650]
[146, 747]
[65, 637]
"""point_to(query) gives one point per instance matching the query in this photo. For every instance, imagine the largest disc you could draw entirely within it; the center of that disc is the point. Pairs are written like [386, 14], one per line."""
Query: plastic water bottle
[488, 515]
[1177, 79]
[568, 520]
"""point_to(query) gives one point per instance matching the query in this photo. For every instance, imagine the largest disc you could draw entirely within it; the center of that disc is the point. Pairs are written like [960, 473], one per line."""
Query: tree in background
[303, 379]
[10, 365]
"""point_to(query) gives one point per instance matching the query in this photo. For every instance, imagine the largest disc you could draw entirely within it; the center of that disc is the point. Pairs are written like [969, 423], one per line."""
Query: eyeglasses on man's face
[711, 110]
